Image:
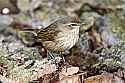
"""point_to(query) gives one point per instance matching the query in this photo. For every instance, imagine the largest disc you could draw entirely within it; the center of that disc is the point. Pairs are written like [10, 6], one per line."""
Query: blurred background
[100, 49]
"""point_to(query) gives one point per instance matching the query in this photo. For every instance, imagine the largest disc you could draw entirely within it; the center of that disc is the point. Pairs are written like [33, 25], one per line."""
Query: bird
[60, 36]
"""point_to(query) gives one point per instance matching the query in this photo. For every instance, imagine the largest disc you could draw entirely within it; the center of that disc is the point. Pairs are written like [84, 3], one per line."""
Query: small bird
[59, 36]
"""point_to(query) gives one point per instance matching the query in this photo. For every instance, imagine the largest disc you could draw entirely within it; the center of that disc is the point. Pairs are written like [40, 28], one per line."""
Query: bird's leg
[62, 56]
[65, 65]
[63, 59]
[50, 55]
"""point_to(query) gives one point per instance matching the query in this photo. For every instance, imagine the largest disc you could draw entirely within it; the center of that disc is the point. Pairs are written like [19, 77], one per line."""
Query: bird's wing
[49, 33]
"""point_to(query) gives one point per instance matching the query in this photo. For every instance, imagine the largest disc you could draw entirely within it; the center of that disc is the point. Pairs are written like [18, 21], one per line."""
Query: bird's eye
[73, 24]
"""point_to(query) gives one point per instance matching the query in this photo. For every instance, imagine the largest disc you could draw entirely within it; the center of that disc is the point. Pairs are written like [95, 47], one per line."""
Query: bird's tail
[28, 36]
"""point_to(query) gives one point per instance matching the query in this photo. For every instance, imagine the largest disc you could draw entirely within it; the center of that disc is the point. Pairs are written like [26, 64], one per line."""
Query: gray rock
[5, 21]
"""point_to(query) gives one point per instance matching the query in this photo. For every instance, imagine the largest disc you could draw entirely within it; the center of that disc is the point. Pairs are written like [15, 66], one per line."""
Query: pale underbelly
[66, 41]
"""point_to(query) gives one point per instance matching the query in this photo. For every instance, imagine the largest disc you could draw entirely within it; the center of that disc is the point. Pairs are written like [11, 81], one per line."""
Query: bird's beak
[81, 24]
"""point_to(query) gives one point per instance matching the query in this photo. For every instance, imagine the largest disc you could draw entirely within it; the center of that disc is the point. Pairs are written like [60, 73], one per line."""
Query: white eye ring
[5, 10]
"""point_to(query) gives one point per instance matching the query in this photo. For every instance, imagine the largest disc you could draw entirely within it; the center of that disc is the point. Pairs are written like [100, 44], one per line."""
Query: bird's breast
[66, 40]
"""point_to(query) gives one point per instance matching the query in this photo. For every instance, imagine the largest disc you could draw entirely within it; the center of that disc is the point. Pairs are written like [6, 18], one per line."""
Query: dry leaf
[68, 71]
[106, 78]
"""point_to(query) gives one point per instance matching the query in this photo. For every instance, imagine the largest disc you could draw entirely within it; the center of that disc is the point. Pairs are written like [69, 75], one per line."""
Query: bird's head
[69, 23]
